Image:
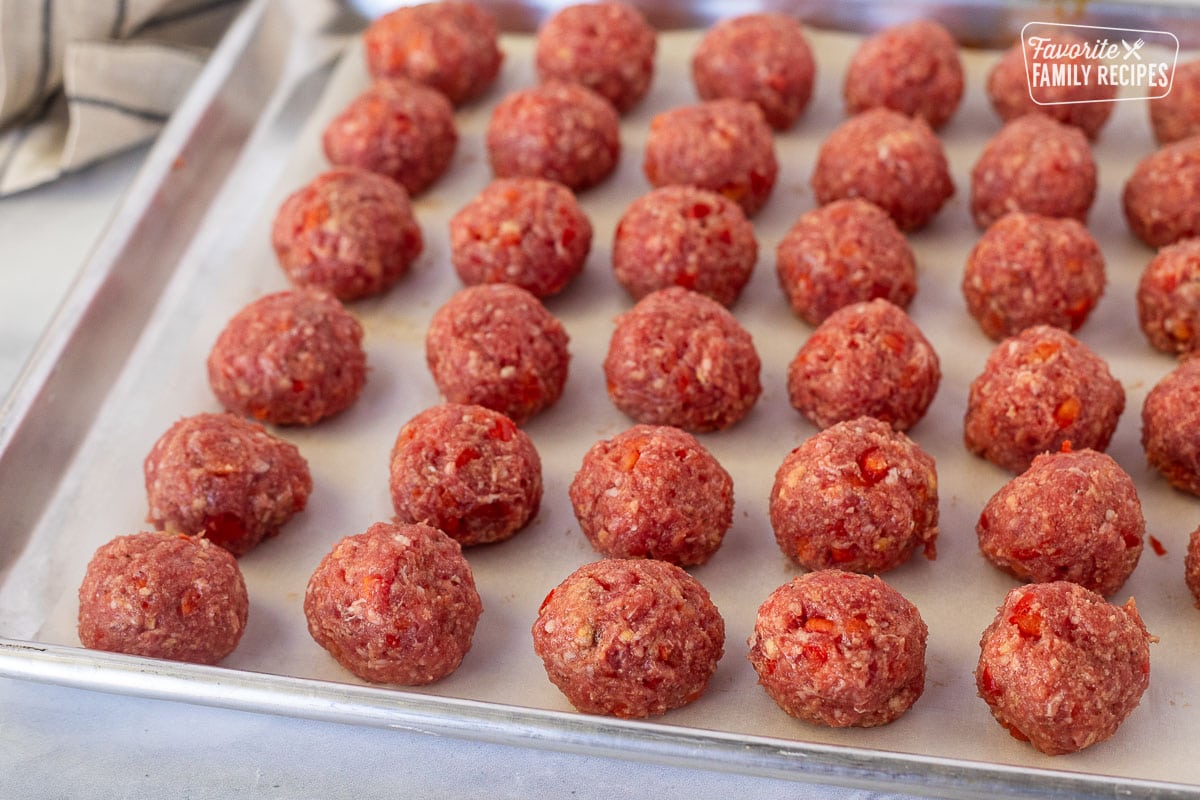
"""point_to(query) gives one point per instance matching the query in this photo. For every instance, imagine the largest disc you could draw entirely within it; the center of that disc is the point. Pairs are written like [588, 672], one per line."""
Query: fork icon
[1132, 49]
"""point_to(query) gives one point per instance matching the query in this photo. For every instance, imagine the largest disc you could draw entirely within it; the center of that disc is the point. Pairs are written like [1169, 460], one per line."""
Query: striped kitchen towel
[84, 79]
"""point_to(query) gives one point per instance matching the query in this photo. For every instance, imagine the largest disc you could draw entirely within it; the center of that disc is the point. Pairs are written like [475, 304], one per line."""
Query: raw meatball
[467, 470]
[725, 146]
[1161, 198]
[629, 637]
[525, 231]
[684, 236]
[1176, 115]
[858, 496]
[348, 231]
[451, 46]
[866, 359]
[653, 491]
[497, 346]
[1073, 515]
[559, 131]
[1034, 164]
[913, 68]
[163, 595]
[1191, 566]
[890, 159]
[1040, 389]
[289, 358]
[226, 479]
[842, 253]
[680, 358]
[1083, 105]
[398, 128]
[608, 47]
[1170, 419]
[764, 58]
[839, 649]
[1029, 269]
[1168, 297]
[396, 604]
[1062, 668]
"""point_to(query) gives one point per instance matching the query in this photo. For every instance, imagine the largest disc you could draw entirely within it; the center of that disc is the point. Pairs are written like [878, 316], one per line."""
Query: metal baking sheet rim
[65, 382]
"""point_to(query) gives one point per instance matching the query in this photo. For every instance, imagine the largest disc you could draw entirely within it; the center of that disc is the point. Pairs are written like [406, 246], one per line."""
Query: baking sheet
[947, 742]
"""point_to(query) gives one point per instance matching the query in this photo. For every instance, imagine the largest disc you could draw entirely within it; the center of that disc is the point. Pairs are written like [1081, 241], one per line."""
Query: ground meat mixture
[629, 638]
[893, 160]
[653, 491]
[725, 146]
[1161, 199]
[1034, 164]
[1191, 566]
[913, 68]
[163, 595]
[496, 345]
[865, 359]
[396, 604]
[451, 46]
[839, 649]
[1073, 515]
[559, 131]
[1082, 105]
[764, 58]
[1029, 269]
[526, 231]
[684, 236]
[1038, 390]
[226, 479]
[845, 252]
[1170, 419]
[1176, 115]
[680, 358]
[857, 496]
[348, 231]
[1062, 668]
[608, 47]
[1168, 298]
[467, 470]
[289, 358]
[398, 128]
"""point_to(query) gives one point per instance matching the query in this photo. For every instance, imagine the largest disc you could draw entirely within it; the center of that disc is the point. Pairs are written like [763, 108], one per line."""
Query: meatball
[653, 491]
[1191, 566]
[890, 159]
[466, 470]
[1168, 298]
[1062, 668]
[839, 649]
[1073, 515]
[496, 345]
[559, 131]
[395, 604]
[608, 47]
[1176, 115]
[680, 358]
[866, 359]
[913, 68]
[1161, 198]
[224, 478]
[1170, 419]
[684, 236]
[845, 252]
[629, 637]
[398, 128]
[163, 595]
[858, 496]
[764, 58]
[451, 46]
[289, 358]
[725, 146]
[1040, 389]
[348, 231]
[526, 231]
[1034, 164]
[1029, 269]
